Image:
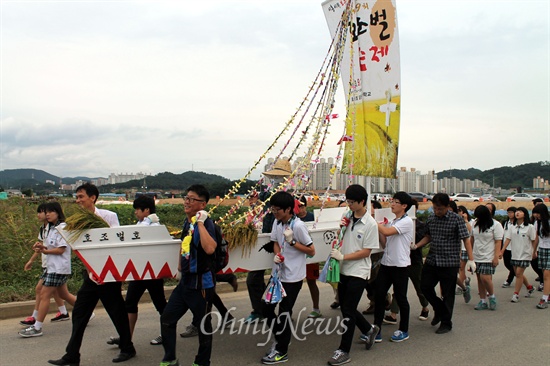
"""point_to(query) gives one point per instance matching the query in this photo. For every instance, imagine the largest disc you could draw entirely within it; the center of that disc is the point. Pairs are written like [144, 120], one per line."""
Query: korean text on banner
[373, 87]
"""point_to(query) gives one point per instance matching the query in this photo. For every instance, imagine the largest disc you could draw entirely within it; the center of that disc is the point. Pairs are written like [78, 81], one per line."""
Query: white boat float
[131, 253]
[127, 253]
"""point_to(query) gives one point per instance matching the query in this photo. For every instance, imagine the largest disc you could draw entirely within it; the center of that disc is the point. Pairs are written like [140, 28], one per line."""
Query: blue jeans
[200, 304]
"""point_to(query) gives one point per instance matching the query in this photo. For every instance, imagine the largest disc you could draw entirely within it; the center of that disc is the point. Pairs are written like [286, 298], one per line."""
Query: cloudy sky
[95, 87]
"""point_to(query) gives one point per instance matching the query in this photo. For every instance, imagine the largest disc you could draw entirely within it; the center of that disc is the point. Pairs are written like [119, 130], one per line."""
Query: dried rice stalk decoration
[242, 236]
[174, 232]
[81, 221]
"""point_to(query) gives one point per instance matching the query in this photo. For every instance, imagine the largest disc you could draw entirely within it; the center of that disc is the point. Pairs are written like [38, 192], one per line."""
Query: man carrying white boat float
[196, 287]
[91, 292]
[292, 243]
[359, 239]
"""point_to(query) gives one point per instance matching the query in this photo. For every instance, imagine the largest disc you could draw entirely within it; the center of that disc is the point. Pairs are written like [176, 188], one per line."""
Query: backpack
[221, 254]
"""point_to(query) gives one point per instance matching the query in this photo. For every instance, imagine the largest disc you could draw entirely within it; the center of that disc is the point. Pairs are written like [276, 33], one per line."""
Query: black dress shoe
[123, 356]
[435, 320]
[63, 362]
[113, 341]
[443, 329]
[235, 284]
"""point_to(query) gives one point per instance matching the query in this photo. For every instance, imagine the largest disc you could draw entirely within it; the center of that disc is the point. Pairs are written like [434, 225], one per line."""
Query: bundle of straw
[81, 221]
[242, 236]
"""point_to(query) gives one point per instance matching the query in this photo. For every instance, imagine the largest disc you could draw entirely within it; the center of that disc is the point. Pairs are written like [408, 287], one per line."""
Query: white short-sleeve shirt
[363, 234]
[507, 225]
[544, 241]
[398, 246]
[42, 235]
[471, 222]
[110, 217]
[58, 263]
[484, 242]
[293, 269]
[521, 238]
[148, 222]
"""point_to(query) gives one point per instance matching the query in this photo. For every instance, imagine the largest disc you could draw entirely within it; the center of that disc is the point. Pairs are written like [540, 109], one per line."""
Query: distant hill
[505, 177]
[36, 180]
[216, 185]
[460, 173]
[29, 178]
[13, 176]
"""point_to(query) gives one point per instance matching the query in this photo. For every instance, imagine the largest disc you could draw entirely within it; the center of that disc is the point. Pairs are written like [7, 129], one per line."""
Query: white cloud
[90, 88]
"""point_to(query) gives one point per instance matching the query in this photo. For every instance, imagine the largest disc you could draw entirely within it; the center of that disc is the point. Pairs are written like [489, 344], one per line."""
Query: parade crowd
[367, 256]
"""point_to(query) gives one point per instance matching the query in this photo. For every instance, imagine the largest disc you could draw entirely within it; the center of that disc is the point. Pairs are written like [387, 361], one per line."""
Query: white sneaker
[339, 358]
[30, 332]
[515, 298]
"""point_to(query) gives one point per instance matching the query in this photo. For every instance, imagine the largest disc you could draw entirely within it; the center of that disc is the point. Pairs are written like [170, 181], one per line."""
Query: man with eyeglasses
[360, 238]
[196, 287]
[396, 239]
[444, 231]
[291, 245]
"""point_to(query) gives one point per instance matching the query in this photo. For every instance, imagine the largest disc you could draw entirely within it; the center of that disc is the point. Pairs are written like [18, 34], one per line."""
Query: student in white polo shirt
[396, 239]
[291, 245]
[521, 237]
[360, 238]
[487, 234]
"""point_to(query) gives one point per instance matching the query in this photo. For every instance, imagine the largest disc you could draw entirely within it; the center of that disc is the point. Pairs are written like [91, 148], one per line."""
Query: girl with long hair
[521, 237]
[507, 257]
[540, 212]
[487, 239]
[58, 268]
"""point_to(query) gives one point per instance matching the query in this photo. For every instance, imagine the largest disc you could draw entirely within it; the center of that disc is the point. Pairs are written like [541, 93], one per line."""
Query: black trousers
[507, 257]
[256, 287]
[446, 276]
[370, 285]
[350, 290]
[282, 328]
[86, 300]
[136, 290]
[216, 300]
[536, 268]
[399, 278]
[181, 300]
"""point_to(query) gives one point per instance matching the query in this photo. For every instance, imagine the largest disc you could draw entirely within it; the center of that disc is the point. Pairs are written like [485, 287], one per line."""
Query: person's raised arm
[208, 243]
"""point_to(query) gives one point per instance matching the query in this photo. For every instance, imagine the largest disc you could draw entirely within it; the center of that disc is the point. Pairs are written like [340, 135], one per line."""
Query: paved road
[513, 334]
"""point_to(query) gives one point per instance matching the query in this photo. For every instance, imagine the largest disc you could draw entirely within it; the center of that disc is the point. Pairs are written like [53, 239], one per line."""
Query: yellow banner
[370, 73]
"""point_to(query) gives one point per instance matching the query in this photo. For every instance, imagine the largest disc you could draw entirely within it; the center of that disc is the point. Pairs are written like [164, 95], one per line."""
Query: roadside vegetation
[19, 229]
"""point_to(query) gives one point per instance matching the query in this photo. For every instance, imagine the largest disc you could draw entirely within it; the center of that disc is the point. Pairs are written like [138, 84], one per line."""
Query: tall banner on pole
[370, 73]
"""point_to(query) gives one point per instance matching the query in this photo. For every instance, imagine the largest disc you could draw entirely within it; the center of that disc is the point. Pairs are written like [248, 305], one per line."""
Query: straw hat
[280, 169]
